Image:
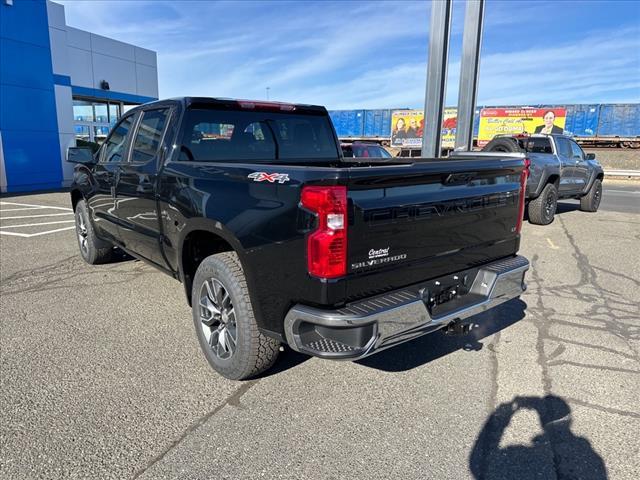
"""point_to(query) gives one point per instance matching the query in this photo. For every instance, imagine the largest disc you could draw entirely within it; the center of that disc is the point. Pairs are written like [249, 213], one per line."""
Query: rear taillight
[523, 193]
[327, 244]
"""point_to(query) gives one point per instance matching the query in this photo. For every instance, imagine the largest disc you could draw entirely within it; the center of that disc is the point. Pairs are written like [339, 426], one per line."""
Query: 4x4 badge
[269, 177]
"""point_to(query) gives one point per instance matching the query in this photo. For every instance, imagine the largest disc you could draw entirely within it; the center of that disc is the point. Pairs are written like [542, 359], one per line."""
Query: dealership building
[59, 84]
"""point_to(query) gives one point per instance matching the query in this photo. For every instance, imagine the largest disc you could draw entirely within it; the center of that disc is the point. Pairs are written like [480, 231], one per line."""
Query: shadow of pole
[556, 453]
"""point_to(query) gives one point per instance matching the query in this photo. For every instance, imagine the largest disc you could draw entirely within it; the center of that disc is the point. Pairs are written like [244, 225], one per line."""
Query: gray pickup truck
[559, 169]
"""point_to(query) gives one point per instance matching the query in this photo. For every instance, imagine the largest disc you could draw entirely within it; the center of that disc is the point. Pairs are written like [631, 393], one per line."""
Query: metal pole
[469, 73]
[436, 77]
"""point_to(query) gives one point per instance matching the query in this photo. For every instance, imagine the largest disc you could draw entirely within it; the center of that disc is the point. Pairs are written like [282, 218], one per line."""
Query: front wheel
[224, 320]
[543, 208]
[93, 250]
[591, 201]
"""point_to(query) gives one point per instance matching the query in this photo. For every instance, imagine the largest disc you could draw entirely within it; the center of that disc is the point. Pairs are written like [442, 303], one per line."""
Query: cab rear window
[218, 135]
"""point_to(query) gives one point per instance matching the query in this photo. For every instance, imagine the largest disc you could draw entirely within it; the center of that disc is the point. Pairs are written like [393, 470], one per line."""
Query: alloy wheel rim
[548, 207]
[218, 319]
[81, 230]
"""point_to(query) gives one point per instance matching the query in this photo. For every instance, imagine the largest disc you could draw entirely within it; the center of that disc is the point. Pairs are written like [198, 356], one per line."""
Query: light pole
[436, 77]
[268, 88]
[469, 73]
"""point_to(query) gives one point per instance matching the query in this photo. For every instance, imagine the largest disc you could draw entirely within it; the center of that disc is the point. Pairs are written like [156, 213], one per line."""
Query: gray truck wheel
[591, 201]
[543, 208]
[93, 250]
[224, 320]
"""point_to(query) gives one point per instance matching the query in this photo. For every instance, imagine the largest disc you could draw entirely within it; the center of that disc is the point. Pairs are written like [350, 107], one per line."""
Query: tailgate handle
[459, 178]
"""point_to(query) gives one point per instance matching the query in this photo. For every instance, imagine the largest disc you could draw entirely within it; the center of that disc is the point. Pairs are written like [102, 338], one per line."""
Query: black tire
[543, 208]
[591, 201]
[502, 144]
[252, 352]
[93, 250]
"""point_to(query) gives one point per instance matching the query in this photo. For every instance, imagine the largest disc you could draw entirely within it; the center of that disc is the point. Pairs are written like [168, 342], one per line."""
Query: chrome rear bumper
[368, 326]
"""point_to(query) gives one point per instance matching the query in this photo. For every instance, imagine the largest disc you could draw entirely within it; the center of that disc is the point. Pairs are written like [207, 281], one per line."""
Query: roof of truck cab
[235, 104]
[247, 104]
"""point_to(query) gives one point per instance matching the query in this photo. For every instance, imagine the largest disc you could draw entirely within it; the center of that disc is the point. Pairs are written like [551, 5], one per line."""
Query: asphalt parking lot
[101, 374]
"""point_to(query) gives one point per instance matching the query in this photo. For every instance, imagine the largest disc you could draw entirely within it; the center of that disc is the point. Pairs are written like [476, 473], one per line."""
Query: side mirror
[591, 156]
[83, 155]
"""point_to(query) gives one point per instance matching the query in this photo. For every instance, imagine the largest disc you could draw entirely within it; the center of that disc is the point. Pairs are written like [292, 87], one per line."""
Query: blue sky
[373, 54]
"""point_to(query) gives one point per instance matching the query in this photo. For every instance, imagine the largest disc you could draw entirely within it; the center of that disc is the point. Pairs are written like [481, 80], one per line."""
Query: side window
[539, 145]
[564, 149]
[149, 135]
[379, 152]
[115, 145]
[576, 150]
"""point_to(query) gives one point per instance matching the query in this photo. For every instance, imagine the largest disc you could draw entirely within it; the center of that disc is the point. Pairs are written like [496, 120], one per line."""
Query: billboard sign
[510, 121]
[407, 127]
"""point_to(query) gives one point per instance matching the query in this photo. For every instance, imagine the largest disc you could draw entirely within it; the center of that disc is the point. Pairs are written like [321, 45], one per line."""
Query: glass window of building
[83, 111]
[114, 113]
[101, 112]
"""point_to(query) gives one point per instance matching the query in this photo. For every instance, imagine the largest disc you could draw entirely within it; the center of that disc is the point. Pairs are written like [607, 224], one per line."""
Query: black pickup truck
[277, 238]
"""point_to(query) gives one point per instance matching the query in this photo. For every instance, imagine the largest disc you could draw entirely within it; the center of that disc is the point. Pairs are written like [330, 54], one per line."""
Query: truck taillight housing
[523, 193]
[327, 244]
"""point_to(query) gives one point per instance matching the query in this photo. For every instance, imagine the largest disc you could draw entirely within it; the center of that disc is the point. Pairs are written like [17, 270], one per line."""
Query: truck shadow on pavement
[554, 453]
[430, 347]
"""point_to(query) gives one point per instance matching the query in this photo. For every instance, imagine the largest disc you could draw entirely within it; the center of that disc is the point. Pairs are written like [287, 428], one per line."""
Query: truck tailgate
[417, 221]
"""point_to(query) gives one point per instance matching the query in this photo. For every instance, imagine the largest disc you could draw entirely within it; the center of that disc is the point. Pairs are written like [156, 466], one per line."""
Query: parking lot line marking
[51, 231]
[35, 216]
[32, 205]
[14, 234]
[36, 224]
[552, 245]
[28, 235]
[23, 208]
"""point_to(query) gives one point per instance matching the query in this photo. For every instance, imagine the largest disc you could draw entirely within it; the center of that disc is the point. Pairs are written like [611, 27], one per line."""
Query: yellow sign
[510, 121]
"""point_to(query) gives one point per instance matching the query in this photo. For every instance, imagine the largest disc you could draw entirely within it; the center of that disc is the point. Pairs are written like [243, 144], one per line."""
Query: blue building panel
[348, 123]
[110, 95]
[621, 120]
[24, 20]
[21, 61]
[27, 109]
[377, 123]
[31, 162]
[28, 119]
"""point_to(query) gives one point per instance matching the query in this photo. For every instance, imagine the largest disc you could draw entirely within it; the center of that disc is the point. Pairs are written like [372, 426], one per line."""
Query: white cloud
[356, 55]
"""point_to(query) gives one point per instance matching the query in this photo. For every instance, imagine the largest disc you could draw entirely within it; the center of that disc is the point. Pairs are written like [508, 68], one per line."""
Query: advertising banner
[407, 127]
[510, 121]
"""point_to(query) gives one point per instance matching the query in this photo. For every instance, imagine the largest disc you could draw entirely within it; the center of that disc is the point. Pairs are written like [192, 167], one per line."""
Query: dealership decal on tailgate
[378, 257]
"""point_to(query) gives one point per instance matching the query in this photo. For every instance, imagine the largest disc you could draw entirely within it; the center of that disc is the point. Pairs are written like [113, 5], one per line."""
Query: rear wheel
[591, 201]
[543, 208]
[93, 250]
[224, 320]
